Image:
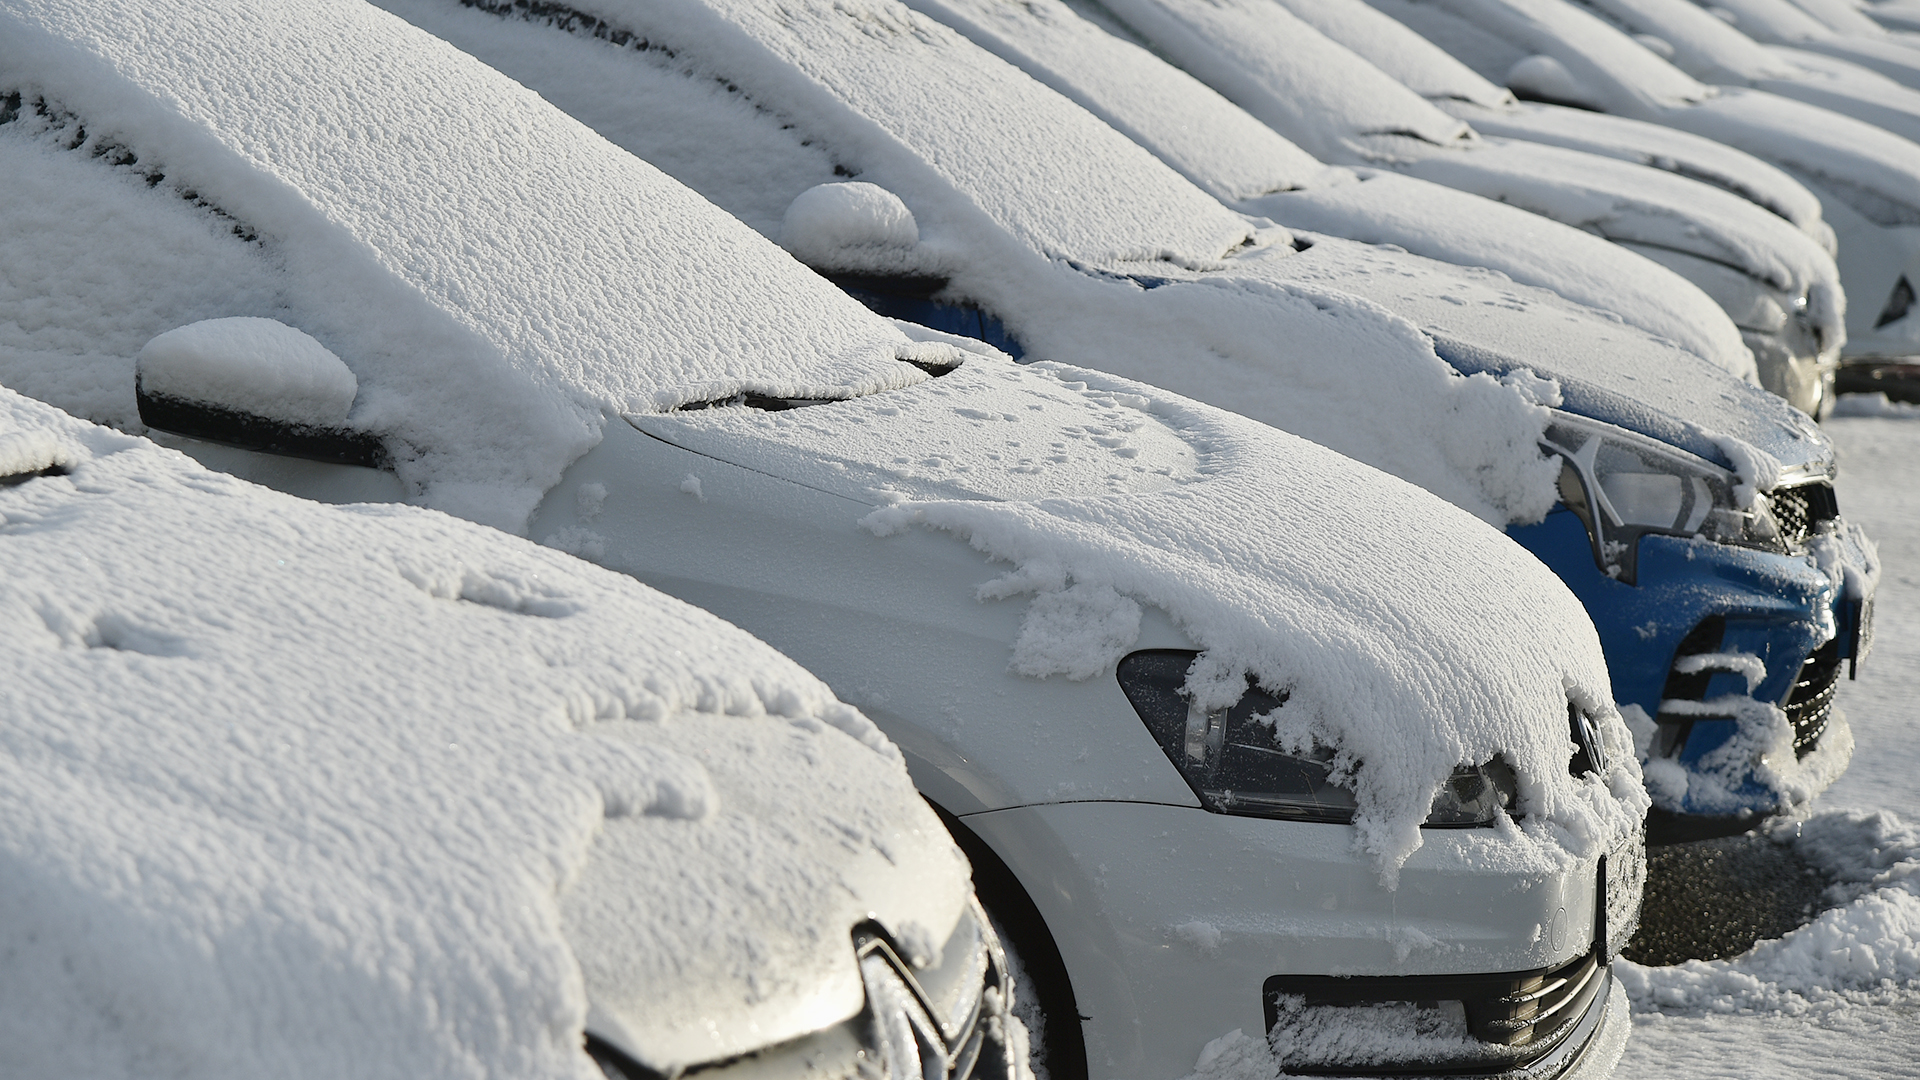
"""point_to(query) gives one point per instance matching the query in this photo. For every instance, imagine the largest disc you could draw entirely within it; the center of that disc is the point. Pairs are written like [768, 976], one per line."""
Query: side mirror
[256, 384]
[851, 227]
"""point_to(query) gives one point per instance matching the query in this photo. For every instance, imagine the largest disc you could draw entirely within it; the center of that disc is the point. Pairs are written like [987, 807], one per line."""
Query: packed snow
[291, 790]
[412, 232]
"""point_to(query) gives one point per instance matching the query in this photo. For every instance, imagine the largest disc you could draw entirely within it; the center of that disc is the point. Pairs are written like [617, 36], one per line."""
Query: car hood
[1660, 147]
[1871, 169]
[1382, 610]
[1606, 370]
[331, 792]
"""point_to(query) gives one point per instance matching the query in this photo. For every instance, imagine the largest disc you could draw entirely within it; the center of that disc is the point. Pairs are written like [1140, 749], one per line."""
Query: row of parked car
[1300, 491]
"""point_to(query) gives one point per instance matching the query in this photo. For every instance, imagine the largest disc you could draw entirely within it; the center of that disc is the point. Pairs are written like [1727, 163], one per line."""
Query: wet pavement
[1712, 899]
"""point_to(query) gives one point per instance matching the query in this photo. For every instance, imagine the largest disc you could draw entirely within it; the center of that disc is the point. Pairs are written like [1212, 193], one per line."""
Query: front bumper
[1173, 921]
[1710, 735]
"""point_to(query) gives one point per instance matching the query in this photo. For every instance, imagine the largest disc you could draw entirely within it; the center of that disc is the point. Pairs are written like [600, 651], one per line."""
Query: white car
[1075, 602]
[302, 791]
[1865, 176]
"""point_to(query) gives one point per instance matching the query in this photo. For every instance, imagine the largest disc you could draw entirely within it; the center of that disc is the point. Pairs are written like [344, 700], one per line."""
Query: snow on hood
[1873, 170]
[1602, 369]
[1305, 357]
[1659, 147]
[1408, 635]
[452, 223]
[1779, 22]
[1245, 50]
[1703, 44]
[293, 790]
[1289, 75]
[1608, 69]
[1410, 59]
[1223, 148]
[1631, 203]
[1186, 124]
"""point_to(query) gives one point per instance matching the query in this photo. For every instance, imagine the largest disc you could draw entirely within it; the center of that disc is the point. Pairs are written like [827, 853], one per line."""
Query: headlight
[1230, 761]
[1624, 485]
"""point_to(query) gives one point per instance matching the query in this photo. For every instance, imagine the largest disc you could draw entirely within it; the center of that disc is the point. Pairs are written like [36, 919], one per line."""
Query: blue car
[1692, 512]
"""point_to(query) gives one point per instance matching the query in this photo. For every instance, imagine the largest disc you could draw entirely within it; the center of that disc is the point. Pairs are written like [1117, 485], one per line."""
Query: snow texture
[1877, 172]
[253, 365]
[1226, 151]
[928, 118]
[291, 790]
[1410, 59]
[451, 222]
[849, 227]
[1405, 669]
[1254, 52]
[1658, 147]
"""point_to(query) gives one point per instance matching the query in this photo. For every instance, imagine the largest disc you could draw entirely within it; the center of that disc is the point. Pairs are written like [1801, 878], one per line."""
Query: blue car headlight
[1624, 486]
[1230, 760]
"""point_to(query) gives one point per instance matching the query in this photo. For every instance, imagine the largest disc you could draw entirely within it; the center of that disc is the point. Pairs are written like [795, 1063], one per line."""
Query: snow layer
[1410, 59]
[1874, 171]
[1657, 147]
[1245, 51]
[1294, 78]
[1408, 658]
[289, 790]
[1279, 337]
[1247, 164]
[451, 222]
[257, 365]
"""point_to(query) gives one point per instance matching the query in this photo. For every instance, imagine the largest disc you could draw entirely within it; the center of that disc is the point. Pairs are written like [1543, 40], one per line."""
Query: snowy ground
[1768, 1014]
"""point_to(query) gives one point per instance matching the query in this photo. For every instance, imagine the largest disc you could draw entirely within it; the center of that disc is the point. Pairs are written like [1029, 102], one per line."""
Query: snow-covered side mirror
[1542, 78]
[256, 384]
[858, 227]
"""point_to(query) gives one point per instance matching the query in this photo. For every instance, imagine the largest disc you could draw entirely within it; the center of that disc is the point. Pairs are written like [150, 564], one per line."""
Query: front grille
[946, 1019]
[1809, 704]
[1505, 1020]
[1798, 510]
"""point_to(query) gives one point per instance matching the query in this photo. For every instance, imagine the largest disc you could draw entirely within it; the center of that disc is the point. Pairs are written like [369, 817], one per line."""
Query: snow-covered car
[1772, 279]
[306, 791]
[1866, 177]
[1239, 733]
[1249, 166]
[1019, 218]
[1833, 28]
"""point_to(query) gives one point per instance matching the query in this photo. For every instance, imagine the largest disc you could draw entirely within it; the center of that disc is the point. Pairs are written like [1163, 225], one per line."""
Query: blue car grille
[1809, 704]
